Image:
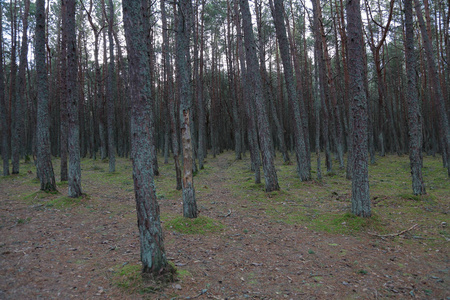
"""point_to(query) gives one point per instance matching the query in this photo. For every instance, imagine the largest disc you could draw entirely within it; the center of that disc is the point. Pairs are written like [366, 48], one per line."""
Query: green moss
[23, 221]
[346, 223]
[64, 202]
[129, 278]
[200, 225]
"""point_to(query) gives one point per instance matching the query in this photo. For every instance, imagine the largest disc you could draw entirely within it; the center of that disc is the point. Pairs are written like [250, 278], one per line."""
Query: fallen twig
[227, 215]
[394, 234]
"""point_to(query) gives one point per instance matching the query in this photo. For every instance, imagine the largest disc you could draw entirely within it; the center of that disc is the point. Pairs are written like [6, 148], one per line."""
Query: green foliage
[23, 221]
[200, 225]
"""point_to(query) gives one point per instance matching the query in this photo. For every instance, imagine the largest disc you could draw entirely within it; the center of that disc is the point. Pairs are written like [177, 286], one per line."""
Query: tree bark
[434, 80]
[414, 115]
[3, 110]
[44, 162]
[111, 92]
[183, 35]
[72, 103]
[360, 181]
[170, 97]
[63, 97]
[293, 98]
[153, 256]
[255, 82]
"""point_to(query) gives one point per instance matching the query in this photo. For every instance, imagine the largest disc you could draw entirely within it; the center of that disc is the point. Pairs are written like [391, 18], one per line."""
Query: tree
[63, 97]
[153, 256]
[436, 88]
[3, 110]
[44, 162]
[111, 92]
[72, 102]
[360, 179]
[255, 82]
[414, 115]
[300, 146]
[182, 34]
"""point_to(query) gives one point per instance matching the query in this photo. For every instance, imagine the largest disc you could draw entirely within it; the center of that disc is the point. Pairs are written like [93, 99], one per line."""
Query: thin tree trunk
[439, 97]
[111, 92]
[171, 98]
[15, 151]
[44, 162]
[3, 110]
[300, 145]
[63, 96]
[252, 135]
[270, 174]
[72, 103]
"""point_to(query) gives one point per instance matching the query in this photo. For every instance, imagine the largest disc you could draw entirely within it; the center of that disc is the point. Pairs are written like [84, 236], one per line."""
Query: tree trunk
[63, 97]
[255, 82]
[360, 181]
[72, 103]
[252, 135]
[153, 256]
[171, 98]
[44, 162]
[183, 35]
[111, 92]
[414, 115]
[15, 151]
[439, 97]
[283, 44]
[3, 110]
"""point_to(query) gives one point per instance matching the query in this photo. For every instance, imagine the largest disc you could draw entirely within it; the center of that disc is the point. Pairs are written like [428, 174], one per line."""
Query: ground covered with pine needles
[297, 243]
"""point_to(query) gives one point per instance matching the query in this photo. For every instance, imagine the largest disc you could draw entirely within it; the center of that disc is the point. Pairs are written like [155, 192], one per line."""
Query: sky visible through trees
[349, 80]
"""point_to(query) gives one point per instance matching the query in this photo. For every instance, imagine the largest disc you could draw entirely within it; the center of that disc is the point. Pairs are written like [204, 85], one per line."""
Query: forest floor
[297, 243]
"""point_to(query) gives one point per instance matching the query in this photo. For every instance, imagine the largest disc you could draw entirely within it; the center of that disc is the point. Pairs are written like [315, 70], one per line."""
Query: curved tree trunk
[300, 145]
[254, 76]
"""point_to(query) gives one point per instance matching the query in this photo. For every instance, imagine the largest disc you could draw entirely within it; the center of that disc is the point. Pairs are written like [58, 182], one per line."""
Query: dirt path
[73, 252]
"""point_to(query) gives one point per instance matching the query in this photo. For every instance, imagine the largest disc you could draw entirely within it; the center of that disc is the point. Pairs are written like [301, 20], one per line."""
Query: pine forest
[265, 149]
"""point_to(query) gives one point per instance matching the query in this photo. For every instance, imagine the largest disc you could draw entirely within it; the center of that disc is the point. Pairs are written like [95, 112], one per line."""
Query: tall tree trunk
[360, 181]
[201, 152]
[267, 86]
[283, 44]
[231, 79]
[436, 87]
[111, 92]
[255, 82]
[414, 115]
[44, 162]
[72, 103]
[3, 110]
[153, 256]
[252, 135]
[15, 151]
[183, 35]
[63, 96]
[21, 95]
[171, 97]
